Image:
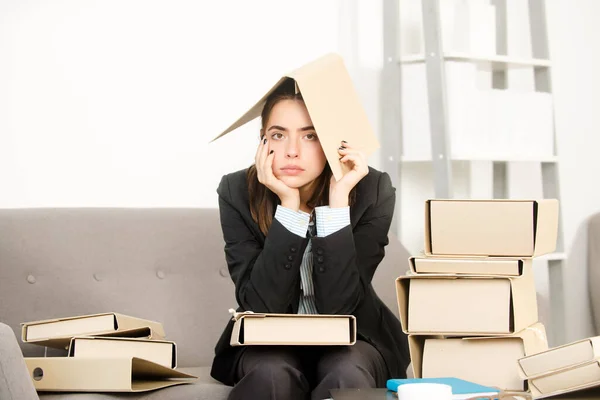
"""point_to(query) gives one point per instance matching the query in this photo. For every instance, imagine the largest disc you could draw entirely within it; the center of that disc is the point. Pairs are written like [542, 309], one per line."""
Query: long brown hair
[263, 201]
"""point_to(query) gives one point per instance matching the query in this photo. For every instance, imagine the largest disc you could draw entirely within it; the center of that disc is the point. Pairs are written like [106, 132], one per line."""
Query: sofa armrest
[15, 383]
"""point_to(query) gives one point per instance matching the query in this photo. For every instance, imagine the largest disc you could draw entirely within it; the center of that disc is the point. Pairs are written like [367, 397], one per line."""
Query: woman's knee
[268, 367]
[349, 375]
[276, 371]
[272, 357]
[361, 364]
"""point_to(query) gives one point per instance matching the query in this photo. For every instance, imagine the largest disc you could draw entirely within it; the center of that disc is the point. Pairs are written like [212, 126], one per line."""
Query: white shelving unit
[549, 159]
[435, 59]
[497, 62]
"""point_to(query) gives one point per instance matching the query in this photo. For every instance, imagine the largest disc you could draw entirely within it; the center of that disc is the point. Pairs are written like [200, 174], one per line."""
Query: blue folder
[461, 389]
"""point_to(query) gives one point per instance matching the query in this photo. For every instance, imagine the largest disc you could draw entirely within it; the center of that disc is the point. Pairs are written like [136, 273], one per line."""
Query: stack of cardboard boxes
[107, 352]
[469, 302]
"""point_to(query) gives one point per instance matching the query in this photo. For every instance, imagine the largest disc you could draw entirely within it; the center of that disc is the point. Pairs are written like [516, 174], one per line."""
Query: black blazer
[266, 269]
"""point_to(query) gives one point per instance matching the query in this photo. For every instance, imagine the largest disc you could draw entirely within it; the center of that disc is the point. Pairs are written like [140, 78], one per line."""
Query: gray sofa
[166, 265]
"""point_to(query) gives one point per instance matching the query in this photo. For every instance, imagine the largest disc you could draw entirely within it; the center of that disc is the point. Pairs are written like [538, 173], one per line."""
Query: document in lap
[57, 333]
[68, 374]
[293, 329]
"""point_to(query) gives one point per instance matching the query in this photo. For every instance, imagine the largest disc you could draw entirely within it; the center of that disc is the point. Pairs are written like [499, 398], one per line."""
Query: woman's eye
[277, 135]
[311, 136]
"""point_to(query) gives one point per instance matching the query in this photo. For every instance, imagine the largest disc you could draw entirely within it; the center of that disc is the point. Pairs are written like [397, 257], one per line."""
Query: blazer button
[293, 249]
[290, 258]
[320, 259]
[288, 266]
[319, 251]
[321, 269]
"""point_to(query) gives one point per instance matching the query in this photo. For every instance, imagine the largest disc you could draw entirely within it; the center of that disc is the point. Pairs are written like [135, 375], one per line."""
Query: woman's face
[299, 158]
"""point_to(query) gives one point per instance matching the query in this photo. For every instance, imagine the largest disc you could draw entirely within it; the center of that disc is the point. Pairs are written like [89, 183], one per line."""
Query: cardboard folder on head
[333, 105]
[68, 374]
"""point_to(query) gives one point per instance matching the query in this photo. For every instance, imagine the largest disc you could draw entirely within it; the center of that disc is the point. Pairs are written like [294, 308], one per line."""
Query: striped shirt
[328, 221]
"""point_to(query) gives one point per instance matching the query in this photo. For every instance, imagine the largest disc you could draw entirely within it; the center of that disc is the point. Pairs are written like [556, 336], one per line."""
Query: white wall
[113, 103]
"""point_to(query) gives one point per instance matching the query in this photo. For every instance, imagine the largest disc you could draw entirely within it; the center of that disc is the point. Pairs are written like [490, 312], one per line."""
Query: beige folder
[102, 375]
[567, 380]
[293, 329]
[489, 361]
[158, 351]
[495, 228]
[466, 305]
[464, 265]
[58, 332]
[560, 357]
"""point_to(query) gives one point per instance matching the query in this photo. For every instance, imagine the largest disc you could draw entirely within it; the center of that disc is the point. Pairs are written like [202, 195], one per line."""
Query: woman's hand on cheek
[356, 160]
[290, 197]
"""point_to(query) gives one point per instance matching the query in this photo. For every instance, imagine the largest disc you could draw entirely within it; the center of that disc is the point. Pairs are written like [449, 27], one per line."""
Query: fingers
[349, 153]
[267, 164]
[346, 151]
[259, 161]
[355, 158]
[259, 148]
[347, 148]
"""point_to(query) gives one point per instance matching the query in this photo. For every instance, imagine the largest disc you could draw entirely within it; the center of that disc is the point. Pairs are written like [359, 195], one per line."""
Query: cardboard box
[57, 333]
[68, 374]
[469, 265]
[505, 228]
[161, 352]
[488, 361]
[333, 105]
[576, 378]
[560, 357]
[293, 329]
[466, 305]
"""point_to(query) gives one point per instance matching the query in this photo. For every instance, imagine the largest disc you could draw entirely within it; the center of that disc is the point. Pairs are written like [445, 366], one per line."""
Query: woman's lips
[291, 170]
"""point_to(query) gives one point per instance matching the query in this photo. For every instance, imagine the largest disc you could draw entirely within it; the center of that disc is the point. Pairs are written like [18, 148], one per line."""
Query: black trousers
[298, 372]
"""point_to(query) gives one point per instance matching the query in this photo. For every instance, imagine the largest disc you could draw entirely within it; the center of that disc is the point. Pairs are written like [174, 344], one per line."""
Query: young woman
[298, 241]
